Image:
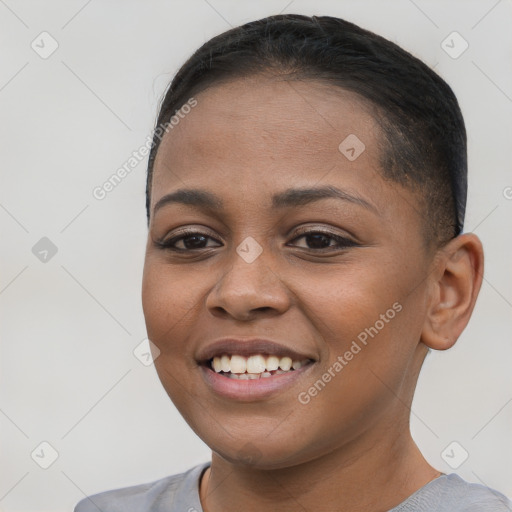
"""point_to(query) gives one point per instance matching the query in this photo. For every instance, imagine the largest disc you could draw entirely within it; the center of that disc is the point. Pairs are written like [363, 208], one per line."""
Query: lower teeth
[251, 376]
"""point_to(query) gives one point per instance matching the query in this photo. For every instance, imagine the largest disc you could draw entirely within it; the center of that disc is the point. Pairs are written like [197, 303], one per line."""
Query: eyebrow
[290, 197]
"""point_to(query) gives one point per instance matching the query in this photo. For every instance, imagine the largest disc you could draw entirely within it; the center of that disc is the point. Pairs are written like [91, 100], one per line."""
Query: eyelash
[342, 242]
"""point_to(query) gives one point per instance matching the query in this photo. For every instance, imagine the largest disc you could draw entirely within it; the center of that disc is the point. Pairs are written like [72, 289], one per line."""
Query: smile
[257, 366]
[253, 369]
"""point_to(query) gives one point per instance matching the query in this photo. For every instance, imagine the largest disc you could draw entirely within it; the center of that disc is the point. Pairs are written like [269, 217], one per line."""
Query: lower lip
[252, 389]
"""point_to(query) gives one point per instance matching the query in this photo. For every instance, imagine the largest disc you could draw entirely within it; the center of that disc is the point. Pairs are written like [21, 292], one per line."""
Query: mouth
[251, 369]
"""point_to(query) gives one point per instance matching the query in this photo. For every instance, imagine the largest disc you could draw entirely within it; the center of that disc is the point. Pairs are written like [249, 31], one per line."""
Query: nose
[248, 289]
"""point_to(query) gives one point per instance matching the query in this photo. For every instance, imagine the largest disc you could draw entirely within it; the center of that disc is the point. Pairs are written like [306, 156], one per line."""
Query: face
[292, 247]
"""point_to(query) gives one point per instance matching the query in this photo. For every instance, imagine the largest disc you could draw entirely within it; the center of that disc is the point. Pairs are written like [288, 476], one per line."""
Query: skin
[349, 448]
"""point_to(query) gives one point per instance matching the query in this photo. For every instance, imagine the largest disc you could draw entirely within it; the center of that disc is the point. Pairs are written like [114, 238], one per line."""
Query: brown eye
[319, 240]
[188, 241]
[192, 242]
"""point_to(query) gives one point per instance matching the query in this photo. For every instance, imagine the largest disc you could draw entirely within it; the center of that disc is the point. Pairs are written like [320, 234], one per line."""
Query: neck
[375, 475]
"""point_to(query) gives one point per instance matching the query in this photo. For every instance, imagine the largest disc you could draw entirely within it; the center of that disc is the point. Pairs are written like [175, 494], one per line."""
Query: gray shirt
[180, 493]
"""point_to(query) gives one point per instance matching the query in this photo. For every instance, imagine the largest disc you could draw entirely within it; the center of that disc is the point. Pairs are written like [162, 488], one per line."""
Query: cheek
[170, 303]
[342, 303]
[370, 319]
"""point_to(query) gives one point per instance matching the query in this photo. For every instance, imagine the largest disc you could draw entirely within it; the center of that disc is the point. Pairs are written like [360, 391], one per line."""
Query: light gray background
[69, 326]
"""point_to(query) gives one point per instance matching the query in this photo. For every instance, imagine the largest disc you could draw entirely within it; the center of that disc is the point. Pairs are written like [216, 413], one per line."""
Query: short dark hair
[424, 137]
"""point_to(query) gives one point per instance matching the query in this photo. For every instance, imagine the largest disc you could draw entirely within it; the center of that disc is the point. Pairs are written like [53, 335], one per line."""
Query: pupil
[194, 242]
[318, 241]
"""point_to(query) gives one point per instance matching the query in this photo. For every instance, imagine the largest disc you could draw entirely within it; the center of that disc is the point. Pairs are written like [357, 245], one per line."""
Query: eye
[317, 240]
[188, 240]
[323, 241]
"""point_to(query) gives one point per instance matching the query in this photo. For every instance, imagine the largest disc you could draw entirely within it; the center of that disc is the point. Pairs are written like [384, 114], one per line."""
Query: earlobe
[455, 283]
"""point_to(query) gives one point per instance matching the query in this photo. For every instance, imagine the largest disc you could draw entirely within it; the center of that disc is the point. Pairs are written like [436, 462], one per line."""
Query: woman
[305, 199]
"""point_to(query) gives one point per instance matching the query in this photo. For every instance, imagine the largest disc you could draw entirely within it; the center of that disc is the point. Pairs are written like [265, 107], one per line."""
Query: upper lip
[248, 347]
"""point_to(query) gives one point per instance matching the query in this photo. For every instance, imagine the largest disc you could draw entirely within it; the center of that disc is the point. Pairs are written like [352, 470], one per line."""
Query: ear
[455, 283]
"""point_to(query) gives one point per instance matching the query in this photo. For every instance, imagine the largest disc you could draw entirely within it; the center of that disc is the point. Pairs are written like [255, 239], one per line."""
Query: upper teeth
[257, 363]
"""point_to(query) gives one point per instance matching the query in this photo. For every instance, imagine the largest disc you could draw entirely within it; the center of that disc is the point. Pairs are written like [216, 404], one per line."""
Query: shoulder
[476, 497]
[176, 492]
[450, 493]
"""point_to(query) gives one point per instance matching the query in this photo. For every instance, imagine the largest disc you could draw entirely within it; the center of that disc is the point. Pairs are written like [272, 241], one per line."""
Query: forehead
[250, 140]
[259, 126]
